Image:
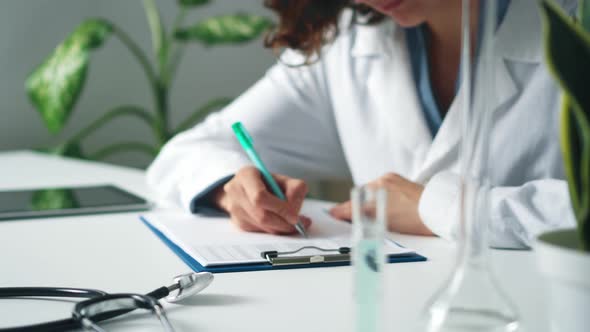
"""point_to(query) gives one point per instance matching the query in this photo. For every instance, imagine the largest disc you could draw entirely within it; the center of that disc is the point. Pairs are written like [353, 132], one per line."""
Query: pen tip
[301, 230]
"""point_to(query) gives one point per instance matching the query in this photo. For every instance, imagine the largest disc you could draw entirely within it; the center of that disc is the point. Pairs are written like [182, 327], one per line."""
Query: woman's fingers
[295, 192]
[259, 218]
[306, 221]
[242, 220]
[259, 196]
[255, 220]
[342, 211]
[253, 207]
[270, 222]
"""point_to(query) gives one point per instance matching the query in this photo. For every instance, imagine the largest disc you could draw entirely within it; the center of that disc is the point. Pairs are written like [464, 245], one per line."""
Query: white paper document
[214, 241]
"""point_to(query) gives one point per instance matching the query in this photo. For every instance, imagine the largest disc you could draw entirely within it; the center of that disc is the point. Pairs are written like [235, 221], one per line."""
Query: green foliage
[225, 29]
[568, 53]
[192, 3]
[66, 149]
[55, 86]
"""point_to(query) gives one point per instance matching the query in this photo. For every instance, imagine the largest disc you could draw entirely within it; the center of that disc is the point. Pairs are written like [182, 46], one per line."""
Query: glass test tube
[368, 219]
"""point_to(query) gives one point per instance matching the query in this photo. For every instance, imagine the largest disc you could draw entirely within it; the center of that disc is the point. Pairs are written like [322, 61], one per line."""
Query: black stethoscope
[184, 286]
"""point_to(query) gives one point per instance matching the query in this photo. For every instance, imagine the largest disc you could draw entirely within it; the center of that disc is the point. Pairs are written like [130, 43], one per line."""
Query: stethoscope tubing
[67, 324]
[49, 292]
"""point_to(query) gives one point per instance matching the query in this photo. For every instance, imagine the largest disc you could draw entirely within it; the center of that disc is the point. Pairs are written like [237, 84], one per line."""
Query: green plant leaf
[571, 144]
[54, 199]
[576, 151]
[226, 29]
[192, 3]
[579, 142]
[54, 86]
[568, 54]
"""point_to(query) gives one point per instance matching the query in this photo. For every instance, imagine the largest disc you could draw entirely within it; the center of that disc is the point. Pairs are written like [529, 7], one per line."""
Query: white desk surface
[117, 253]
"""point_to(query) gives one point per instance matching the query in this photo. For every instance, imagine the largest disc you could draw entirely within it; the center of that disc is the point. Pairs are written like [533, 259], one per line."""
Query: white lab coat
[356, 113]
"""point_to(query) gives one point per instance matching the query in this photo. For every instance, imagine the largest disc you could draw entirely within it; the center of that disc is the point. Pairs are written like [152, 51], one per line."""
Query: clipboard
[276, 260]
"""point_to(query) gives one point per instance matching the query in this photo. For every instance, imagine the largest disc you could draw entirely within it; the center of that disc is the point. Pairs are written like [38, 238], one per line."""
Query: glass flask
[471, 300]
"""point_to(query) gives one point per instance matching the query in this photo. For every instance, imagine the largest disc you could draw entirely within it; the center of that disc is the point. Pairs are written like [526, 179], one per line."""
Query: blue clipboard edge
[197, 267]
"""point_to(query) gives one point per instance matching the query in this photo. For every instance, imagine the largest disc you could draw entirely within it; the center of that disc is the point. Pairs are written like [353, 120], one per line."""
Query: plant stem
[138, 53]
[163, 134]
[159, 94]
[159, 42]
[174, 62]
[158, 89]
[175, 50]
[164, 80]
[126, 146]
[107, 117]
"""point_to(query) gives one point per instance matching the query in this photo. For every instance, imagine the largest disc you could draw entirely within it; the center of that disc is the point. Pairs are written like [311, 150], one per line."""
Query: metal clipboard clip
[276, 258]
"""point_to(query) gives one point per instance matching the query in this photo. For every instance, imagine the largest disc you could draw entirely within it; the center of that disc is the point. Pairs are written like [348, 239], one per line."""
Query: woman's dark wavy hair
[307, 25]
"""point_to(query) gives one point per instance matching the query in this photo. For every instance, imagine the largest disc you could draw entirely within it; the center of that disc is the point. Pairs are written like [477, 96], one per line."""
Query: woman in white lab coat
[380, 106]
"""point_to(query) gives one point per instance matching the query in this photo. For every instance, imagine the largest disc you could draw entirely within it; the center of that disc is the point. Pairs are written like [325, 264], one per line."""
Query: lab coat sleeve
[288, 113]
[518, 214]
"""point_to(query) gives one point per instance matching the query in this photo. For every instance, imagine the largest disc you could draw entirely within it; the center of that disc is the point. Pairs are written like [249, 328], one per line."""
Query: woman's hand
[403, 197]
[253, 208]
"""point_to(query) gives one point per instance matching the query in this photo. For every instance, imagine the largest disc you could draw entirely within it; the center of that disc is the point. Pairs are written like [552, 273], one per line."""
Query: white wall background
[30, 29]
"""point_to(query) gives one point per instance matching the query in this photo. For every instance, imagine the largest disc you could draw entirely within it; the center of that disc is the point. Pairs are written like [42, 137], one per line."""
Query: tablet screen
[40, 202]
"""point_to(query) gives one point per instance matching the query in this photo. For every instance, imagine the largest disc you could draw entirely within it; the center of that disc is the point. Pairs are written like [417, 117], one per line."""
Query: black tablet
[53, 202]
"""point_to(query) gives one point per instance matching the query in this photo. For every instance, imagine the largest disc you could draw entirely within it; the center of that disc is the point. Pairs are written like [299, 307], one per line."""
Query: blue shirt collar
[418, 50]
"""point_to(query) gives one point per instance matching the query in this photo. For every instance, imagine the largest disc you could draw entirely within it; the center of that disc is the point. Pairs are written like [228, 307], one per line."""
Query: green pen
[246, 142]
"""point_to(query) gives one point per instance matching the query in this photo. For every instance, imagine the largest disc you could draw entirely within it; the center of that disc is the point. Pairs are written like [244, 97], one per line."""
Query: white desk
[117, 253]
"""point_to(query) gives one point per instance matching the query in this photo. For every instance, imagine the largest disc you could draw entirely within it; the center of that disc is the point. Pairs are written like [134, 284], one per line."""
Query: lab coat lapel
[391, 92]
[444, 151]
[401, 99]
[445, 147]
[518, 39]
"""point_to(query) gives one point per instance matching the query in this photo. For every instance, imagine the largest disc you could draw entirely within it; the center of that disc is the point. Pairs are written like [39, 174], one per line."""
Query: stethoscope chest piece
[189, 284]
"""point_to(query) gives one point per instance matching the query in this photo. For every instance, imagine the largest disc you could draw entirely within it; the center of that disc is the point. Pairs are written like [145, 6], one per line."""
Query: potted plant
[56, 84]
[564, 255]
